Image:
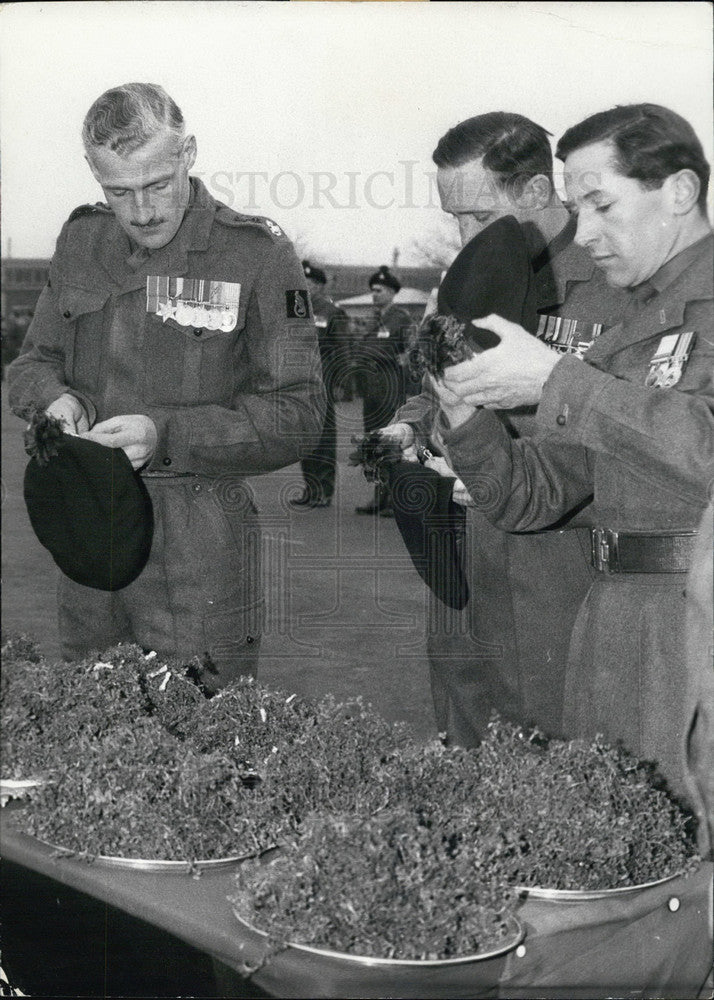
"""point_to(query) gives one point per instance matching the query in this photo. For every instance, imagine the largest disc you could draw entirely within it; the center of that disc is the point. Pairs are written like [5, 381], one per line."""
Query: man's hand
[459, 493]
[133, 432]
[70, 412]
[403, 435]
[511, 374]
[453, 407]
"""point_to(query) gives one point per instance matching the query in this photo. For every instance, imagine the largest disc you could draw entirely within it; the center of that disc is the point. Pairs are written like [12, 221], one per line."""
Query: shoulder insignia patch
[99, 208]
[230, 217]
[273, 227]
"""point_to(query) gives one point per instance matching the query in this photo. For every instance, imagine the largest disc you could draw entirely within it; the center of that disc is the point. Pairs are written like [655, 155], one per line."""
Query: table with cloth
[654, 943]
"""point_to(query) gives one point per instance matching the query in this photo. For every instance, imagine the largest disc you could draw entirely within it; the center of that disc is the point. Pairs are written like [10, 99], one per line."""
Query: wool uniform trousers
[319, 467]
[200, 593]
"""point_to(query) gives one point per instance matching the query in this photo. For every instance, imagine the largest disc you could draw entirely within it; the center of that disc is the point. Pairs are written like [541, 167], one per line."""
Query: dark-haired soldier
[180, 331]
[507, 650]
[381, 359]
[318, 468]
[625, 435]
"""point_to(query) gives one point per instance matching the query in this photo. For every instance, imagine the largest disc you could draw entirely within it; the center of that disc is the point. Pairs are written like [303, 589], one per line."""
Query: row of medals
[199, 315]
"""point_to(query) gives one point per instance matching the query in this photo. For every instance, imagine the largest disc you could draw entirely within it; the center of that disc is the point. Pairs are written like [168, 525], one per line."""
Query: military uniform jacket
[388, 334]
[645, 453]
[115, 327]
[332, 326]
[629, 439]
[568, 285]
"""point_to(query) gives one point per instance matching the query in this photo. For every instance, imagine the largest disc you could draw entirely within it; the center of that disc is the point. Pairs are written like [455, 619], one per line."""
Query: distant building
[23, 278]
[344, 281]
[360, 307]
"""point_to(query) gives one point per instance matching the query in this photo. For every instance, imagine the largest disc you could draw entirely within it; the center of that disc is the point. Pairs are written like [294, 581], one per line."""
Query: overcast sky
[324, 115]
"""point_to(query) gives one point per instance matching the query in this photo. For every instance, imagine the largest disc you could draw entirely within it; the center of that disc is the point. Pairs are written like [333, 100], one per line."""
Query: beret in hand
[87, 506]
[491, 274]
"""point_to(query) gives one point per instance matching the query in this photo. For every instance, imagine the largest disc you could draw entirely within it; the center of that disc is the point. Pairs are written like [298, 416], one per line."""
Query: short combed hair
[125, 118]
[511, 146]
[650, 143]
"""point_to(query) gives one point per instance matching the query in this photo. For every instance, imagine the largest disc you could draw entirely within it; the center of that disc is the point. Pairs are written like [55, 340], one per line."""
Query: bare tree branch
[437, 247]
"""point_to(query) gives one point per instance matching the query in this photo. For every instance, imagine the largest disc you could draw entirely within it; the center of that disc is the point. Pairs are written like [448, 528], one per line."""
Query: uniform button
[250, 640]
[561, 420]
[167, 461]
[197, 488]
[198, 333]
[66, 314]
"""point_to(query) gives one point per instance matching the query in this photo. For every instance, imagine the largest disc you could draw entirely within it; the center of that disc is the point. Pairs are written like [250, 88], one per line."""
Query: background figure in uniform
[180, 331]
[506, 651]
[625, 436]
[319, 467]
[381, 360]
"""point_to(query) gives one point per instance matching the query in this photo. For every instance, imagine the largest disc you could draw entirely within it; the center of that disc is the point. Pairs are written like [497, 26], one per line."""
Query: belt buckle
[605, 550]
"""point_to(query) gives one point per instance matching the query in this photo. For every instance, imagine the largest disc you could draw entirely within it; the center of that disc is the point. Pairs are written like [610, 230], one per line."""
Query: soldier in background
[382, 357]
[318, 468]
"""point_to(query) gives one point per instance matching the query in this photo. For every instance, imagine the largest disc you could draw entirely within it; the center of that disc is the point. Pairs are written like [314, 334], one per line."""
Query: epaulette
[228, 217]
[99, 208]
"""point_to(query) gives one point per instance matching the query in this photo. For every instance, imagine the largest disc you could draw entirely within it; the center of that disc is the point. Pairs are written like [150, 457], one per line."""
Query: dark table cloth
[655, 943]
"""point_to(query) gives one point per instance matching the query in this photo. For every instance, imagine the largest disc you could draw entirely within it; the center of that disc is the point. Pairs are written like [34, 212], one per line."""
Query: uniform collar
[690, 271]
[564, 261]
[559, 242]
[676, 265]
[195, 231]
[647, 291]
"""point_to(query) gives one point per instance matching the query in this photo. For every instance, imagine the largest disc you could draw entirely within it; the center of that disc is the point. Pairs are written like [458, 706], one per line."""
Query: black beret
[384, 277]
[88, 507]
[492, 274]
[314, 273]
[430, 523]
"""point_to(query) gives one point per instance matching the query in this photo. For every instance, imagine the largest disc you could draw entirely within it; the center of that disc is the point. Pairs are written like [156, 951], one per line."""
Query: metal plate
[514, 939]
[147, 865]
[152, 865]
[587, 895]
[16, 789]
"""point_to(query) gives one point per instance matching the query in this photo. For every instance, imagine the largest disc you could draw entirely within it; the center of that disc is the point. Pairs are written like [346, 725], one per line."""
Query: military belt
[635, 552]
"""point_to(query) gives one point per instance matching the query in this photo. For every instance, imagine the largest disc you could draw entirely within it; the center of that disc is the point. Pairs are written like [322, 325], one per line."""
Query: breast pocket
[188, 365]
[83, 311]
